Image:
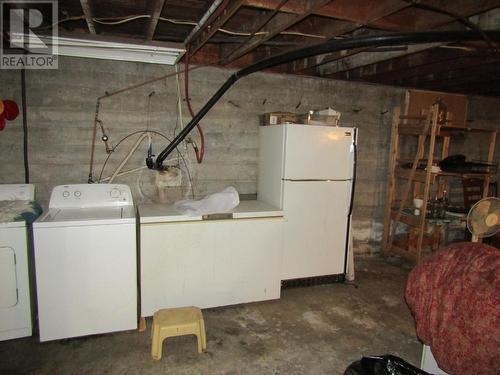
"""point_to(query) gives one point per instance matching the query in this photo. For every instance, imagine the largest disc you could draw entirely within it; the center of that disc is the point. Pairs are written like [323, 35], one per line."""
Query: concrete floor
[314, 330]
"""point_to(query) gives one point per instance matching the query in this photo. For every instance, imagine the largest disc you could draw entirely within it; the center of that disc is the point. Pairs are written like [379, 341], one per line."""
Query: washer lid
[87, 216]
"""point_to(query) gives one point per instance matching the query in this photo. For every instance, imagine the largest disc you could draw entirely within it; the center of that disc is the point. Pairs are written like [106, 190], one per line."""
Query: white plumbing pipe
[129, 155]
[124, 173]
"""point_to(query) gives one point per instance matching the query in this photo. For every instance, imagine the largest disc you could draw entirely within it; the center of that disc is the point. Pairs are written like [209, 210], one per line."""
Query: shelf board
[420, 175]
[411, 220]
[442, 131]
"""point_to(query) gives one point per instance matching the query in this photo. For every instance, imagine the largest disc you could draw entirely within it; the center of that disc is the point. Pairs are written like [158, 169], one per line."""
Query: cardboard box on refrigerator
[275, 118]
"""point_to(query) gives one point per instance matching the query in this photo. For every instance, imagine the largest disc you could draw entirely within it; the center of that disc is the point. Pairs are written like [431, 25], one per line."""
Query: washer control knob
[115, 193]
[65, 193]
[77, 193]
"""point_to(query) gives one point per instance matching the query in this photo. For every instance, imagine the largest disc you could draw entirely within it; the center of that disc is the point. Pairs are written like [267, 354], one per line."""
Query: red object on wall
[9, 110]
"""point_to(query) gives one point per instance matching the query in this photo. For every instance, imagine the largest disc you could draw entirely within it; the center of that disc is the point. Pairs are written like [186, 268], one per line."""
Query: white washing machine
[86, 262]
[15, 304]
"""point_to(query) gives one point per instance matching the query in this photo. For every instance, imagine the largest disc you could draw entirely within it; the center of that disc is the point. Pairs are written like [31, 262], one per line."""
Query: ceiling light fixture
[154, 52]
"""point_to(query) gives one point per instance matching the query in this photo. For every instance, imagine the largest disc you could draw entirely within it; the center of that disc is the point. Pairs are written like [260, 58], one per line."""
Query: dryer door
[8, 279]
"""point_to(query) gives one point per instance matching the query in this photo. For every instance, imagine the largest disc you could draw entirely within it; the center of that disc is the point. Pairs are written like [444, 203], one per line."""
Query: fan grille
[483, 219]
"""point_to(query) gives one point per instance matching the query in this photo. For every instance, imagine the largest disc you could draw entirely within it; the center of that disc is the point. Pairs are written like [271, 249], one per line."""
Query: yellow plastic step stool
[177, 322]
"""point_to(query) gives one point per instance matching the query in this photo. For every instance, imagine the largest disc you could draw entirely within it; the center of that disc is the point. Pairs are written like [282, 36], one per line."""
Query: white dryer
[15, 304]
[86, 262]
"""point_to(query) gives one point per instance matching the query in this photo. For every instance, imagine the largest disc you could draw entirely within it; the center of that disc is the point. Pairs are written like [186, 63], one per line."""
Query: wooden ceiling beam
[475, 87]
[280, 22]
[428, 18]
[213, 24]
[89, 16]
[404, 65]
[309, 65]
[341, 68]
[212, 53]
[440, 61]
[370, 15]
[467, 9]
[356, 11]
[466, 76]
[155, 8]
[255, 25]
[441, 72]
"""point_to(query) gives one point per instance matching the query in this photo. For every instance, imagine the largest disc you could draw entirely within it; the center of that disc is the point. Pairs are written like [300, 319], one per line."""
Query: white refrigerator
[309, 172]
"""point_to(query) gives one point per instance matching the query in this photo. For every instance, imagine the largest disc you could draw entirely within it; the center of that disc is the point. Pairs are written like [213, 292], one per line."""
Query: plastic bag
[220, 202]
[383, 365]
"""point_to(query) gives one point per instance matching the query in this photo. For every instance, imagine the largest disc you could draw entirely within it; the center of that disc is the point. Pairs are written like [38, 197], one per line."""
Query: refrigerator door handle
[352, 158]
[349, 199]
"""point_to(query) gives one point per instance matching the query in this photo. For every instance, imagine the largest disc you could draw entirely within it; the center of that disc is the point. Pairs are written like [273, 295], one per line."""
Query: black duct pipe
[329, 46]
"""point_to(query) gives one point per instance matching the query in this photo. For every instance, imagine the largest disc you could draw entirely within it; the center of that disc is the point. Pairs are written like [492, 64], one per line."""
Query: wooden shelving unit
[431, 130]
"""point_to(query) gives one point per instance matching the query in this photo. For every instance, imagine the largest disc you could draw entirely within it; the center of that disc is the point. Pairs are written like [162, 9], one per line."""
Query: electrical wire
[125, 19]
[179, 100]
[263, 23]
[201, 152]
[142, 132]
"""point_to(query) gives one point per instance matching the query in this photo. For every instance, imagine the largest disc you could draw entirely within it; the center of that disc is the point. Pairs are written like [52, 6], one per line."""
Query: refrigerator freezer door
[318, 153]
[315, 231]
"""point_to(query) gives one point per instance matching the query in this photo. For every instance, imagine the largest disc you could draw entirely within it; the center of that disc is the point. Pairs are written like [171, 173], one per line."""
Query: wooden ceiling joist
[155, 8]
[279, 23]
[369, 16]
[364, 59]
[357, 11]
[440, 73]
[352, 65]
[438, 60]
[258, 29]
[464, 77]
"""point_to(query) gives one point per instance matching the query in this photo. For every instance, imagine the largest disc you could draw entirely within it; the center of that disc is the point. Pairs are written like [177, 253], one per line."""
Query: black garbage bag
[383, 365]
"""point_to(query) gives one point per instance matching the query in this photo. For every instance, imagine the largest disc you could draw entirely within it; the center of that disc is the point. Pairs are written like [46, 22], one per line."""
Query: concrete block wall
[61, 107]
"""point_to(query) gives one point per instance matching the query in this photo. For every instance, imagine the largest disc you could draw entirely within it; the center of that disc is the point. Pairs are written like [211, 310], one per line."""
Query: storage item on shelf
[459, 164]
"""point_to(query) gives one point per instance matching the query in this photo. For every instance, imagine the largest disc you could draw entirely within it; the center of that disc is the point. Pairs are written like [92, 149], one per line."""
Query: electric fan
[483, 219]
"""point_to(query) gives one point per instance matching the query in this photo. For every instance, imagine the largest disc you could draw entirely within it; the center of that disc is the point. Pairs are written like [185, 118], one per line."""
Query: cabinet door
[8, 279]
